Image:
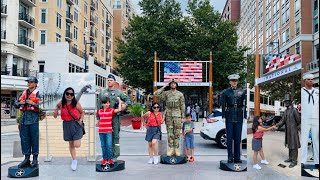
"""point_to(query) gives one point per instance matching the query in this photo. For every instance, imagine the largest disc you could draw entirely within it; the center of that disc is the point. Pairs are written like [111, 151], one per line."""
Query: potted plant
[136, 111]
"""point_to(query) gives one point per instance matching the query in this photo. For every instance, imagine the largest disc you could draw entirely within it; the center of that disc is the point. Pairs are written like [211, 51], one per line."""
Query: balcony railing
[103, 66]
[3, 9]
[92, 50]
[27, 18]
[92, 5]
[3, 34]
[313, 65]
[92, 22]
[70, 2]
[76, 51]
[18, 72]
[26, 41]
[108, 22]
[92, 34]
[69, 17]
[68, 35]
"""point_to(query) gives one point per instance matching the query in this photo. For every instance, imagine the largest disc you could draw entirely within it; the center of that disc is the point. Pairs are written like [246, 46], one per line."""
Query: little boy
[187, 132]
[105, 129]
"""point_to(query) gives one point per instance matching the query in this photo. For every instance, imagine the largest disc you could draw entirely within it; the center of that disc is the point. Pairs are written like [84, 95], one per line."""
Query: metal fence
[52, 143]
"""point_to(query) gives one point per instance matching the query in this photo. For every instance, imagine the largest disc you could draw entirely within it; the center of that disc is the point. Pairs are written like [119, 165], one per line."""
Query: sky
[217, 4]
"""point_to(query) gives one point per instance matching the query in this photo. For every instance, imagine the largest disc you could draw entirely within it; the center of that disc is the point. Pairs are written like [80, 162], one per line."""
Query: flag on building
[183, 71]
[277, 61]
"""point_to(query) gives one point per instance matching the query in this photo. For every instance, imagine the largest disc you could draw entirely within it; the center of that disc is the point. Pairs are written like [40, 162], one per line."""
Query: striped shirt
[105, 124]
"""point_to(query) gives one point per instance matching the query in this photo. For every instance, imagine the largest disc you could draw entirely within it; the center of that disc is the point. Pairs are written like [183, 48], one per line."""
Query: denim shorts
[153, 132]
[188, 140]
[72, 130]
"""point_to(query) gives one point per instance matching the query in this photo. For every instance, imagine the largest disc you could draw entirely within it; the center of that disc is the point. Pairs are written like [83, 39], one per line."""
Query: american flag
[275, 61]
[183, 71]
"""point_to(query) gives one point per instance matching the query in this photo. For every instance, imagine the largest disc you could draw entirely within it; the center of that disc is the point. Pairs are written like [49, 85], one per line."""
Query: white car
[213, 128]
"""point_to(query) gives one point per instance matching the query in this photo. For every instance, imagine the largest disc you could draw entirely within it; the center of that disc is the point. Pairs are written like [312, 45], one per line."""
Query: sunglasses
[69, 94]
[156, 107]
[309, 79]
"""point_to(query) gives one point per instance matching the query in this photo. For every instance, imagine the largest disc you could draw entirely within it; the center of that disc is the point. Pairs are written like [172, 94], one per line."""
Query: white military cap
[233, 77]
[308, 76]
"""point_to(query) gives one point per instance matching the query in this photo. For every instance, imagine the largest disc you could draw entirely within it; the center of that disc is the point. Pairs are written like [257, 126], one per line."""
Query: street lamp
[271, 44]
[92, 44]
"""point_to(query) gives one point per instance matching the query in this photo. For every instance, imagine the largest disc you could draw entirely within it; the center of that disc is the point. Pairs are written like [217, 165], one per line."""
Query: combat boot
[177, 152]
[34, 161]
[170, 152]
[25, 162]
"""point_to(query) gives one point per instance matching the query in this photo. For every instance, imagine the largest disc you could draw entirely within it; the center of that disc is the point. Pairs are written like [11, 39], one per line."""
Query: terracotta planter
[136, 122]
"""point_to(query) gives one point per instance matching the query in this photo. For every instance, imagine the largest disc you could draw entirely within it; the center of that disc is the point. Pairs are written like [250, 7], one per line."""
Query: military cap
[32, 79]
[110, 76]
[233, 77]
[173, 81]
[308, 76]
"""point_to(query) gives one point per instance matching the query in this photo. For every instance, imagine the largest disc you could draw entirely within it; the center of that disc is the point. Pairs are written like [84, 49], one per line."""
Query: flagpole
[155, 76]
[210, 85]
[257, 88]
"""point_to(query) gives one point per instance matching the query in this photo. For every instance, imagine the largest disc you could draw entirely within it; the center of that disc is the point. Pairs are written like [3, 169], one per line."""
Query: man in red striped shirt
[105, 129]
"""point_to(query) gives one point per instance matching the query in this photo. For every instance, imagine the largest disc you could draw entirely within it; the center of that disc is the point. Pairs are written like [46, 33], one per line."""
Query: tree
[164, 29]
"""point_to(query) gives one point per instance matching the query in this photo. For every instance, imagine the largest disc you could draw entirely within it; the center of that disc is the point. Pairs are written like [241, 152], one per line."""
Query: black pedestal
[117, 166]
[25, 172]
[309, 170]
[164, 159]
[224, 165]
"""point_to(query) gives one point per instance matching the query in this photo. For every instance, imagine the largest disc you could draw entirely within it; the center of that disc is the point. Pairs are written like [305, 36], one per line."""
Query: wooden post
[257, 88]
[155, 75]
[210, 85]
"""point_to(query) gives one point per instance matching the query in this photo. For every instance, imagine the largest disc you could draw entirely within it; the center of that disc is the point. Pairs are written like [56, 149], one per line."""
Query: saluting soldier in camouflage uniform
[175, 113]
[112, 93]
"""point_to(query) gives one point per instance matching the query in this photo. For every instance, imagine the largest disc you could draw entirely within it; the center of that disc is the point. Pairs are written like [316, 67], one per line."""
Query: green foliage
[163, 28]
[136, 109]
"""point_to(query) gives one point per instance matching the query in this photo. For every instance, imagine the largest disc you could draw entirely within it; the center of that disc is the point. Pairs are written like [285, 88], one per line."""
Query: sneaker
[264, 162]
[110, 161]
[155, 159]
[256, 166]
[104, 162]
[74, 164]
[150, 160]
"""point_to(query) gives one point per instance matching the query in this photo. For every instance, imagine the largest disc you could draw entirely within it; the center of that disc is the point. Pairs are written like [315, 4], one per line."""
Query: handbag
[83, 129]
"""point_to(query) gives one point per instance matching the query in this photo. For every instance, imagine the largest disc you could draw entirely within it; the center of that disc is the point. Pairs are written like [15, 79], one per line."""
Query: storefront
[7, 104]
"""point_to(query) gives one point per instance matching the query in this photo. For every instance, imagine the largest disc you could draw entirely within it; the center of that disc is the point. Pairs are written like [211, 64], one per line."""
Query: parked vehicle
[213, 128]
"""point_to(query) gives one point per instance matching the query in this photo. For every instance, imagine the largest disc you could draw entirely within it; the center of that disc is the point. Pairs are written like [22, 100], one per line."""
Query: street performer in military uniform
[112, 93]
[233, 101]
[28, 103]
[292, 120]
[175, 113]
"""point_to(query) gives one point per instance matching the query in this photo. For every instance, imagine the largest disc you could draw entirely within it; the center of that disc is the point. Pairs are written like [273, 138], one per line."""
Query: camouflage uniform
[175, 110]
[113, 94]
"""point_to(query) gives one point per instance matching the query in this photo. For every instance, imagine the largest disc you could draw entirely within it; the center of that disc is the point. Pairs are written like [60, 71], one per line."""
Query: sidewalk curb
[126, 129]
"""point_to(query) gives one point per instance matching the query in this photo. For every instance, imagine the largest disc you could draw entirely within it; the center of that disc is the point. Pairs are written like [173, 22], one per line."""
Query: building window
[41, 68]
[58, 23]
[297, 6]
[298, 48]
[86, 8]
[43, 15]
[276, 25]
[58, 37]
[42, 37]
[76, 15]
[59, 3]
[85, 23]
[76, 2]
[102, 39]
[286, 36]
[102, 12]
[43, 0]
[297, 27]
[102, 52]
[285, 14]
[96, 33]
[75, 32]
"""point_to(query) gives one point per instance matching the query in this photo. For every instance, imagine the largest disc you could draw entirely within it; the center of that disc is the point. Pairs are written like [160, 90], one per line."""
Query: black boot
[288, 160]
[293, 164]
[25, 162]
[34, 161]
